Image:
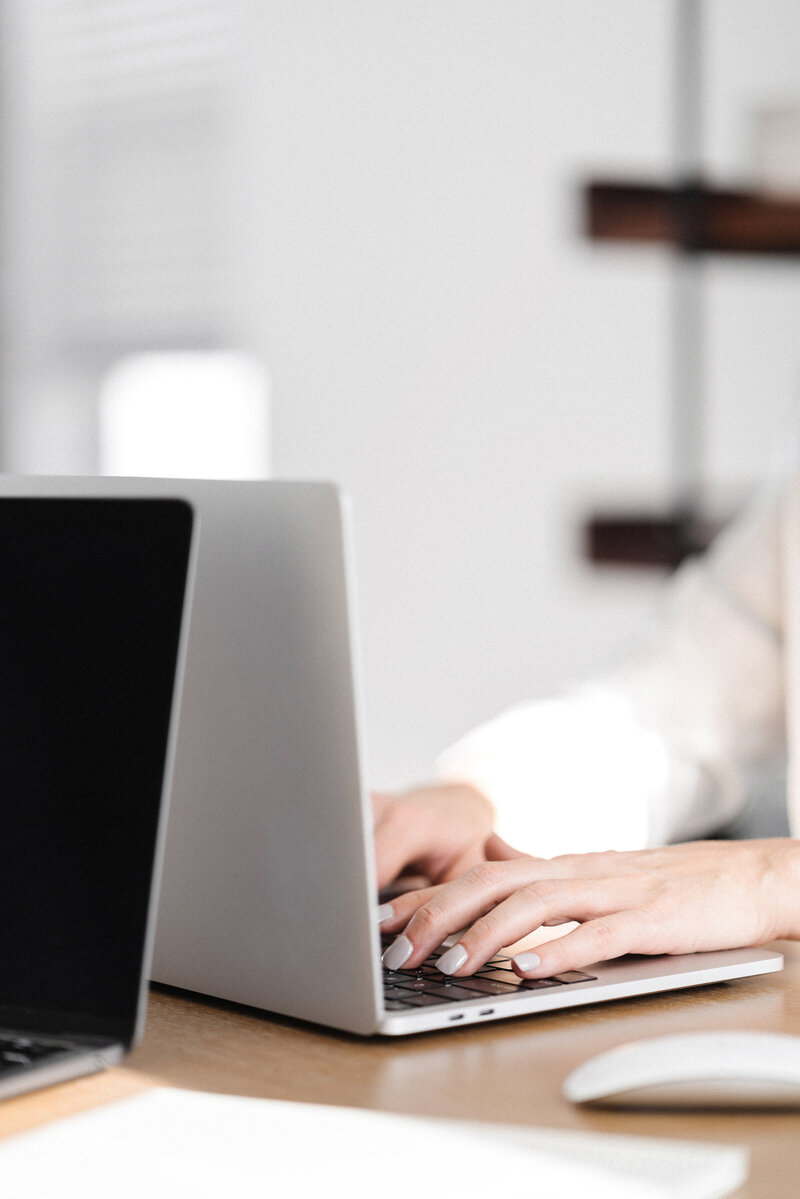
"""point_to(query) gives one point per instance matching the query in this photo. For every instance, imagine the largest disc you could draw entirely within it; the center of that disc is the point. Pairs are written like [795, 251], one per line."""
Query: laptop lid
[91, 602]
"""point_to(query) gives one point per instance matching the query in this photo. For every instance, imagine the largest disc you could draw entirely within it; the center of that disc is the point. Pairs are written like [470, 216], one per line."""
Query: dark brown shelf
[647, 539]
[693, 217]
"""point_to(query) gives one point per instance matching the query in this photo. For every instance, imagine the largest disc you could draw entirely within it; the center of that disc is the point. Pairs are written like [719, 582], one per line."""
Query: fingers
[545, 902]
[608, 936]
[472, 856]
[397, 913]
[498, 850]
[499, 903]
[439, 830]
[452, 906]
[397, 839]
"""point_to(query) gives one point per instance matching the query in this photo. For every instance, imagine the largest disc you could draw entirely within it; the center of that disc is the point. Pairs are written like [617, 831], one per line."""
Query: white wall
[752, 306]
[441, 340]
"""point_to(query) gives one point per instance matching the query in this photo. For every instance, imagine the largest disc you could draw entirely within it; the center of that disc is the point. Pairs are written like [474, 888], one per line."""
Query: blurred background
[522, 275]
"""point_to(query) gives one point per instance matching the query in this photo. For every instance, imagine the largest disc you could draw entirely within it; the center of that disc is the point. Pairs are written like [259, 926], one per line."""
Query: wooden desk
[510, 1071]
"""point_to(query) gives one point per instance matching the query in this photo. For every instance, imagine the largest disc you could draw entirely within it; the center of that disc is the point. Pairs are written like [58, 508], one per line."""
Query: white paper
[169, 1142]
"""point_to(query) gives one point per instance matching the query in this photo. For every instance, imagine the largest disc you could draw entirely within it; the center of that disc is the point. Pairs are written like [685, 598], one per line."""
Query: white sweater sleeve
[658, 751]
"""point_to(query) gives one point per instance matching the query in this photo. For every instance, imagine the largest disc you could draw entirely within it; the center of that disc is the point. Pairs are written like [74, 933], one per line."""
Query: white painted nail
[453, 960]
[385, 911]
[398, 952]
[527, 961]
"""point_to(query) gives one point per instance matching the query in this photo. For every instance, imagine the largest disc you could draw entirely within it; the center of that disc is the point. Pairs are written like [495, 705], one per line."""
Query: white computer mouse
[696, 1069]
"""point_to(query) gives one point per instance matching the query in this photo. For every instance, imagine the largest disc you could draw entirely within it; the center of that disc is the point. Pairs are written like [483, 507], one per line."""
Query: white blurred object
[200, 414]
[210, 1145]
[777, 148]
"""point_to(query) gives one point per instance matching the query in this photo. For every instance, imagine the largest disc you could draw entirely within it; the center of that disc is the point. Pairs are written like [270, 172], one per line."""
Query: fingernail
[453, 960]
[527, 961]
[398, 952]
[385, 911]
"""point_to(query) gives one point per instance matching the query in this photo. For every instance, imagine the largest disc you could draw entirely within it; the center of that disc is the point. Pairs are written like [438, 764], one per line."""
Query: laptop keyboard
[19, 1052]
[426, 985]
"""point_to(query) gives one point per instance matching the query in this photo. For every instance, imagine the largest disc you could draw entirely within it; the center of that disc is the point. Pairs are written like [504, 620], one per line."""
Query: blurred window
[195, 414]
[123, 168]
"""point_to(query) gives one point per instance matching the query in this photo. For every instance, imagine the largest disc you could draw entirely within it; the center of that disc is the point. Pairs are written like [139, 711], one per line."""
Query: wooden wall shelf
[693, 218]
[647, 539]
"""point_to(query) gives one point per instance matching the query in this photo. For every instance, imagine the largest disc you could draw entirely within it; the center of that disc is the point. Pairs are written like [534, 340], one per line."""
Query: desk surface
[511, 1071]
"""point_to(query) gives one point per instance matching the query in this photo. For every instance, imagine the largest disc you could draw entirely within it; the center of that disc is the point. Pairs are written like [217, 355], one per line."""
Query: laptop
[91, 615]
[268, 895]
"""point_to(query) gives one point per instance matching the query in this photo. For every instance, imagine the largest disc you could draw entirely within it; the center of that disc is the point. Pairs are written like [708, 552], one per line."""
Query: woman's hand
[438, 832]
[699, 896]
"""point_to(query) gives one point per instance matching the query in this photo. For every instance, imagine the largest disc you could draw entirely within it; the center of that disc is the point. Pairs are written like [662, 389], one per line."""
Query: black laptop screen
[91, 600]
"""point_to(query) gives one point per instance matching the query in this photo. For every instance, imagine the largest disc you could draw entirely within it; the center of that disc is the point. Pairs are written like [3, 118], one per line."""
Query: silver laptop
[268, 893]
[91, 618]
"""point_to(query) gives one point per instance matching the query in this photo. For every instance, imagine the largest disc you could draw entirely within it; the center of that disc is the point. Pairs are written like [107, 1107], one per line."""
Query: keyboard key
[488, 986]
[15, 1057]
[420, 972]
[396, 993]
[538, 984]
[18, 1052]
[424, 999]
[510, 978]
[500, 976]
[454, 991]
[575, 976]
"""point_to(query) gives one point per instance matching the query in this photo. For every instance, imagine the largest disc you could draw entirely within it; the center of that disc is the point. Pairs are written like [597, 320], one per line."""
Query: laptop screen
[91, 601]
